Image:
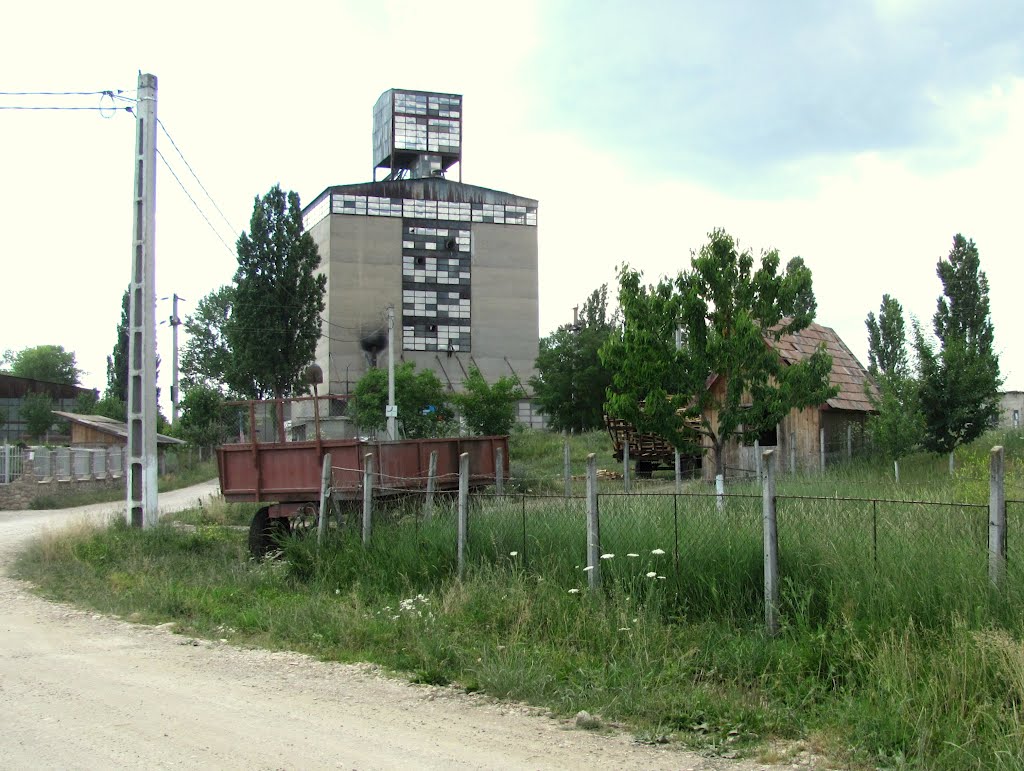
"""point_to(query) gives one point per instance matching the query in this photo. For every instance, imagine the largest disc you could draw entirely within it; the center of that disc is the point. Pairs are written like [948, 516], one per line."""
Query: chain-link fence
[863, 558]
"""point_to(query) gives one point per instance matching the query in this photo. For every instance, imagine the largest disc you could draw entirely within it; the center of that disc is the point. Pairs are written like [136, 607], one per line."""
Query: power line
[193, 200]
[194, 175]
[107, 91]
[92, 109]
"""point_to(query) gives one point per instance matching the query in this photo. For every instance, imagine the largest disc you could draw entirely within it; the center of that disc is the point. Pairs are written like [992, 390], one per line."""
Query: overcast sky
[859, 135]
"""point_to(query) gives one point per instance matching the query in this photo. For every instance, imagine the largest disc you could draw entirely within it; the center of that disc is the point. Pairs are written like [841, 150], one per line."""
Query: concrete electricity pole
[141, 506]
[392, 408]
[175, 322]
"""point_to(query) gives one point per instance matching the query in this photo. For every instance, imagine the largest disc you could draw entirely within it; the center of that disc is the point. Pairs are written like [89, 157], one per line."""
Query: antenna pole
[392, 409]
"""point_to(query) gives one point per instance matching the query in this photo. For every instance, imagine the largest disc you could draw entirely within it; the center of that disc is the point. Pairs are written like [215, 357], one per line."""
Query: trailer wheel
[266, 532]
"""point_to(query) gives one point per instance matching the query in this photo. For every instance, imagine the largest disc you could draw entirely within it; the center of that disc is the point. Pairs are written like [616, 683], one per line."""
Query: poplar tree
[960, 379]
[275, 316]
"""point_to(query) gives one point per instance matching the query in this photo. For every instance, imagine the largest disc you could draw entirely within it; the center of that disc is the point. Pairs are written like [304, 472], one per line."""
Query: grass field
[894, 649]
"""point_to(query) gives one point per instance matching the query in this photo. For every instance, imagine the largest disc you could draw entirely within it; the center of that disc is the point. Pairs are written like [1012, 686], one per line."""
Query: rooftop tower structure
[417, 134]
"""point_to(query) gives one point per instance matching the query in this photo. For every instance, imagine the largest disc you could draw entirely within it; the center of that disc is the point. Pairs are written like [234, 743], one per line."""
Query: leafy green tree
[571, 379]
[727, 311]
[205, 420]
[206, 358]
[50, 363]
[960, 381]
[423, 409]
[117, 362]
[489, 410]
[897, 426]
[274, 323]
[37, 412]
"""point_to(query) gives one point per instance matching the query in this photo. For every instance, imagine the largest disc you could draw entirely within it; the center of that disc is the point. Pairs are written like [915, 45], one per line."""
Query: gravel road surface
[85, 691]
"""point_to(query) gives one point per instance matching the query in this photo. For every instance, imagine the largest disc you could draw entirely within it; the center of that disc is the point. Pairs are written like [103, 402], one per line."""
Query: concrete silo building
[458, 262]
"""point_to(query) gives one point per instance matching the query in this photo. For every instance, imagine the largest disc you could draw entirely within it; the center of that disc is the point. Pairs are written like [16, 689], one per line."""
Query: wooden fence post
[499, 471]
[428, 506]
[325, 497]
[367, 497]
[463, 511]
[996, 519]
[771, 545]
[593, 526]
[567, 467]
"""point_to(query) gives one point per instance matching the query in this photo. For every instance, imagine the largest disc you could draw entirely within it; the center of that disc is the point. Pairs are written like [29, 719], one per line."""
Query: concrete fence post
[849, 441]
[5, 478]
[325, 497]
[567, 467]
[625, 466]
[821, 449]
[996, 518]
[593, 526]
[757, 458]
[367, 497]
[428, 504]
[463, 511]
[792, 452]
[679, 470]
[771, 545]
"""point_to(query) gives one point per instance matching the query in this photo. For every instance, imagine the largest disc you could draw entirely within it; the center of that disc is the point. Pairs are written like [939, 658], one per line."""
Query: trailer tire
[266, 532]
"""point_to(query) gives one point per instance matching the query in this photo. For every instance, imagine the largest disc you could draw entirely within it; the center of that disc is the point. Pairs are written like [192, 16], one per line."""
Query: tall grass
[894, 649]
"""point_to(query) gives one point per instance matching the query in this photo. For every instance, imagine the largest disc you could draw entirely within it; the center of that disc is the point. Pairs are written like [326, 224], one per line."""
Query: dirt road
[79, 690]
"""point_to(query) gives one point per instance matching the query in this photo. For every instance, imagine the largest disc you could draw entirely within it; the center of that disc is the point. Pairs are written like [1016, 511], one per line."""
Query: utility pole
[175, 322]
[141, 505]
[392, 408]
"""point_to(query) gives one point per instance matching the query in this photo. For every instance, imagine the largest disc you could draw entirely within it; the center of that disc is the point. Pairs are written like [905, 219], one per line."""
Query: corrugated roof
[847, 373]
[110, 426]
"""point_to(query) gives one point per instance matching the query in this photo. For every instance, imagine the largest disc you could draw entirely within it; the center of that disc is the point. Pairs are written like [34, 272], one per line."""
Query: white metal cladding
[378, 206]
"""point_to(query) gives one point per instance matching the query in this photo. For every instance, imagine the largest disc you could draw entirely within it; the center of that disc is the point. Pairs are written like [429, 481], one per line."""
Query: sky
[861, 136]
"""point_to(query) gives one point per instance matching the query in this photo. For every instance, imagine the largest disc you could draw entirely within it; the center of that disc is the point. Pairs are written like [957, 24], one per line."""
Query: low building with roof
[806, 439]
[99, 431]
[14, 389]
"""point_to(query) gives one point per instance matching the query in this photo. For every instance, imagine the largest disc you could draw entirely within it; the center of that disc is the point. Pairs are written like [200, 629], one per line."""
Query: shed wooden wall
[86, 435]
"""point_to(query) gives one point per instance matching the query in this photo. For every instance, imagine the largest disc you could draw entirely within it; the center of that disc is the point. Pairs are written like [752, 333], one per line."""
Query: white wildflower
[588, 568]
[652, 574]
[632, 554]
[607, 556]
[657, 551]
[661, 578]
[574, 591]
[513, 554]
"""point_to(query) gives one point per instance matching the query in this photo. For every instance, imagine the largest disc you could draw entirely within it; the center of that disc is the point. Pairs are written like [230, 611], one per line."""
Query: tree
[117, 362]
[960, 381]
[423, 409]
[37, 412]
[887, 339]
[571, 379]
[44, 362]
[728, 314]
[205, 419]
[897, 426]
[274, 323]
[489, 410]
[206, 358]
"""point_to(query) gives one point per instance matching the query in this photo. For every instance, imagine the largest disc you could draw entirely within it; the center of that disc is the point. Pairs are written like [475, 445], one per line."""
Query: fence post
[593, 526]
[428, 506]
[821, 448]
[849, 441]
[757, 458]
[679, 471]
[499, 471]
[463, 511]
[6, 477]
[325, 497]
[625, 466]
[996, 519]
[567, 467]
[792, 452]
[771, 545]
[367, 497]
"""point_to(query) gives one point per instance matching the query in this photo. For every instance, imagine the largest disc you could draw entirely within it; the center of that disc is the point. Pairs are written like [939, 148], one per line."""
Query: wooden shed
[97, 431]
[798, 436]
